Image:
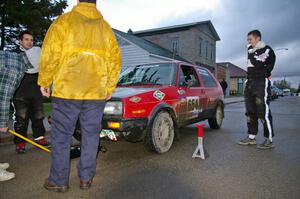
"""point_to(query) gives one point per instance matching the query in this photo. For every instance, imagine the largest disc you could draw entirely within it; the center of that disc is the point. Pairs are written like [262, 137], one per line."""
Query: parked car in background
[280, 92]
[286, 92]
[274, 93]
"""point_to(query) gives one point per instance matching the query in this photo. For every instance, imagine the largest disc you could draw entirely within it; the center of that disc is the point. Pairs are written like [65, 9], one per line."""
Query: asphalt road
[128, 171]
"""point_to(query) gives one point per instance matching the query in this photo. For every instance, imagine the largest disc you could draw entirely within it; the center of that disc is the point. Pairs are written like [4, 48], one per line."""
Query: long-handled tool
[29, 141]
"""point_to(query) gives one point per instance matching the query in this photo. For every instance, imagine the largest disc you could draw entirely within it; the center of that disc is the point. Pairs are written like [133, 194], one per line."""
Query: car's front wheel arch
[162, 108]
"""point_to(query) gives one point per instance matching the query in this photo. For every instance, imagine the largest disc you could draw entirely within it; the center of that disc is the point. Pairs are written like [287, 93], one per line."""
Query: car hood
[124, 92]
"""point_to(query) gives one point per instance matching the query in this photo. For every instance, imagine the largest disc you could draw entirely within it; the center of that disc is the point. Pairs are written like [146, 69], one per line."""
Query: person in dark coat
[224, 86]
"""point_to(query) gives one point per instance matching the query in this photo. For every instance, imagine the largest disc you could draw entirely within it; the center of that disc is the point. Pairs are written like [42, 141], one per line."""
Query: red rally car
[152, 101]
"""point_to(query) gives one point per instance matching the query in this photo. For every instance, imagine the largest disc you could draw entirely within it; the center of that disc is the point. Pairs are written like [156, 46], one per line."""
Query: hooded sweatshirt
[80, 56]
[261, 61]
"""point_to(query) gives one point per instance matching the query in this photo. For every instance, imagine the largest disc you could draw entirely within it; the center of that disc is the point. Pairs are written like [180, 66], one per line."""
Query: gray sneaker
[267, 144]
[247, 141]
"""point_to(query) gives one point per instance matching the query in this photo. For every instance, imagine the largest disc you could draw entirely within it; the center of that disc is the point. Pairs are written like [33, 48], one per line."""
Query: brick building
[235, 77]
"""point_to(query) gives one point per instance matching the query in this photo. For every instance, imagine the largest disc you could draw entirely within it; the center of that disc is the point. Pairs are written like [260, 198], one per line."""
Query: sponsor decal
[193, 107]
[202, 72]
[135, 99]
[159, 95]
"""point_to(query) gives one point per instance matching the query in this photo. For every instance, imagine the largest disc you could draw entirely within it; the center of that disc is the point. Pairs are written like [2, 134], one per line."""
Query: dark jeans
[28, 105]
[258, 106]
[65, 114]
[28, 109]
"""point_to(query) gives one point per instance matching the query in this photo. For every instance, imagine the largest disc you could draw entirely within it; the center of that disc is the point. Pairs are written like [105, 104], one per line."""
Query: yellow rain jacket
[80, 56]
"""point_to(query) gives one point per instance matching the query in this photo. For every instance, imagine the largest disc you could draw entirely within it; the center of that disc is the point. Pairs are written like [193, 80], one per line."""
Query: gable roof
[178, 28]
[148, 46]
[234, 70]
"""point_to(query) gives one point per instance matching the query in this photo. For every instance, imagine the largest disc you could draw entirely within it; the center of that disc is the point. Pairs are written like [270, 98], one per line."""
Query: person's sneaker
[55, 188]
[42, 141]
[5, 175]
[20, 148]
[267, 144]
[247, 141]
[4, 166]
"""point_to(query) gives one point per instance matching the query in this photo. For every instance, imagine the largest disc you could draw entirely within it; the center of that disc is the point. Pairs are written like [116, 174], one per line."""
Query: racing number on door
[193, 107]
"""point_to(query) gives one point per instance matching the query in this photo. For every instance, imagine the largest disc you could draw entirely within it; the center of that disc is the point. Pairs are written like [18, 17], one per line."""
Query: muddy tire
[160, 134]
[216, 121]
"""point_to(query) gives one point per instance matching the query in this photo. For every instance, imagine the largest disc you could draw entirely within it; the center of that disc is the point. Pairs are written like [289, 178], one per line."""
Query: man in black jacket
[28, 99]
[261, 61]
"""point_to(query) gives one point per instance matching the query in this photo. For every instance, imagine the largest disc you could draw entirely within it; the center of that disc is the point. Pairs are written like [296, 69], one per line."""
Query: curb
[234, 102]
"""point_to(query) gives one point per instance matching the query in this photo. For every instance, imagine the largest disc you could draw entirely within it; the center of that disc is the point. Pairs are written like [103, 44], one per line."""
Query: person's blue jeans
[65, 114]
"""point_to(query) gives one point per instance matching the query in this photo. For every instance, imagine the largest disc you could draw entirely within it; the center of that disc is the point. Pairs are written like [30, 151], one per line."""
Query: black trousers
[28, 105]
[257, 101]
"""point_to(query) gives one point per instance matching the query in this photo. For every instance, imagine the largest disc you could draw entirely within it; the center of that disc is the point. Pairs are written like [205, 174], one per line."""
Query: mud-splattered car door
[192, 101]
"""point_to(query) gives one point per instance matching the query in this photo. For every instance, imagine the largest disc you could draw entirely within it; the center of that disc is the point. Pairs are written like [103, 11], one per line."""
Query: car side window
[208, 80]
[188, 77]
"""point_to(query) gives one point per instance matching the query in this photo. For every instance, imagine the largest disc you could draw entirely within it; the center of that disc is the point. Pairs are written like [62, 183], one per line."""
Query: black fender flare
[170, 110]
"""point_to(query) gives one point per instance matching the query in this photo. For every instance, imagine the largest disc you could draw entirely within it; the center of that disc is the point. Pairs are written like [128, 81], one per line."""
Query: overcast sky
[278, 21]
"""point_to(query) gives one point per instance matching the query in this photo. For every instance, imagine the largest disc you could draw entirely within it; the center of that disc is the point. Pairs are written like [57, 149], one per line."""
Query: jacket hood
[88, 10]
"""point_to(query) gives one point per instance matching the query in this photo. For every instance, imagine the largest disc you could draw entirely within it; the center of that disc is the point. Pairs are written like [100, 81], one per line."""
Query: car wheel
[217, 120]
[160, 135]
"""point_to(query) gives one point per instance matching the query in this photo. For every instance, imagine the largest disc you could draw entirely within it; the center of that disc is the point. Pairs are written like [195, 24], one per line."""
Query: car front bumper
[121, 125]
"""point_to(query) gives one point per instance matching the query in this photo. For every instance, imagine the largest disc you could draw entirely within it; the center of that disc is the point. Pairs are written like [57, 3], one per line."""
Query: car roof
[174, 62]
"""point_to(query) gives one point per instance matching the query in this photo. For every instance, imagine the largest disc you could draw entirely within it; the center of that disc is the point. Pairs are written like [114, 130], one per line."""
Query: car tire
[160, 134]
[216, 121]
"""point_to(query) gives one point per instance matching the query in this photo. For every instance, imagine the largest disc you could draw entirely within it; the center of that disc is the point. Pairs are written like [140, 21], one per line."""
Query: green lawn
[47, 109]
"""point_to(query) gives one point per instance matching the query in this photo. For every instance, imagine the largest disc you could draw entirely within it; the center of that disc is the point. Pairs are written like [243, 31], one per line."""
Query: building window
[206, 49]
[175, 45]
[201, 46]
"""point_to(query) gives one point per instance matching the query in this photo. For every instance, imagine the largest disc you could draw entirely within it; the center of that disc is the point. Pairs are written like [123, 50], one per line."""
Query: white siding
[133, 55]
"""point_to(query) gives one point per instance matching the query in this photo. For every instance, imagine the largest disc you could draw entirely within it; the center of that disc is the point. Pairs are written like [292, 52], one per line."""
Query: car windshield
[154, 74]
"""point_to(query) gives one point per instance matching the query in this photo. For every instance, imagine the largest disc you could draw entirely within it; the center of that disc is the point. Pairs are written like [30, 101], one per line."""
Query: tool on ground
[29, 141]
[199, 152]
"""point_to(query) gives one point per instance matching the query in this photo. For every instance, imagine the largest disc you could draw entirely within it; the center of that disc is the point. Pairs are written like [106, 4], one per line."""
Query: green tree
[282, 84]
[33, 15]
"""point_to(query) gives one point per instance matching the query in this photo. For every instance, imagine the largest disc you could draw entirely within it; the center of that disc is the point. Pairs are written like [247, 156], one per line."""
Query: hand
[45, 91]
[4, 129]
[108, 97]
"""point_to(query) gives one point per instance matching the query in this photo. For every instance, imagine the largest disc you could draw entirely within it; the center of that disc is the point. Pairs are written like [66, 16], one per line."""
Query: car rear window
[208, 80]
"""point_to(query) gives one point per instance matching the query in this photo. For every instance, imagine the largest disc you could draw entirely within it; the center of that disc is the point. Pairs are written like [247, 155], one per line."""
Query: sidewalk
[232, 100]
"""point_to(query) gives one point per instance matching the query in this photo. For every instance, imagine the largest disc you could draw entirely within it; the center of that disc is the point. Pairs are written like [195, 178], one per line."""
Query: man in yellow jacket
[81, 59]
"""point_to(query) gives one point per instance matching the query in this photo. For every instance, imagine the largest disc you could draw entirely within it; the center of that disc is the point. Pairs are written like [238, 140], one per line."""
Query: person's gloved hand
[4, 130]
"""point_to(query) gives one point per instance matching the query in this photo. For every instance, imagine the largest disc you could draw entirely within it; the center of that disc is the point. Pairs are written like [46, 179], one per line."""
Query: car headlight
[113, 108]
